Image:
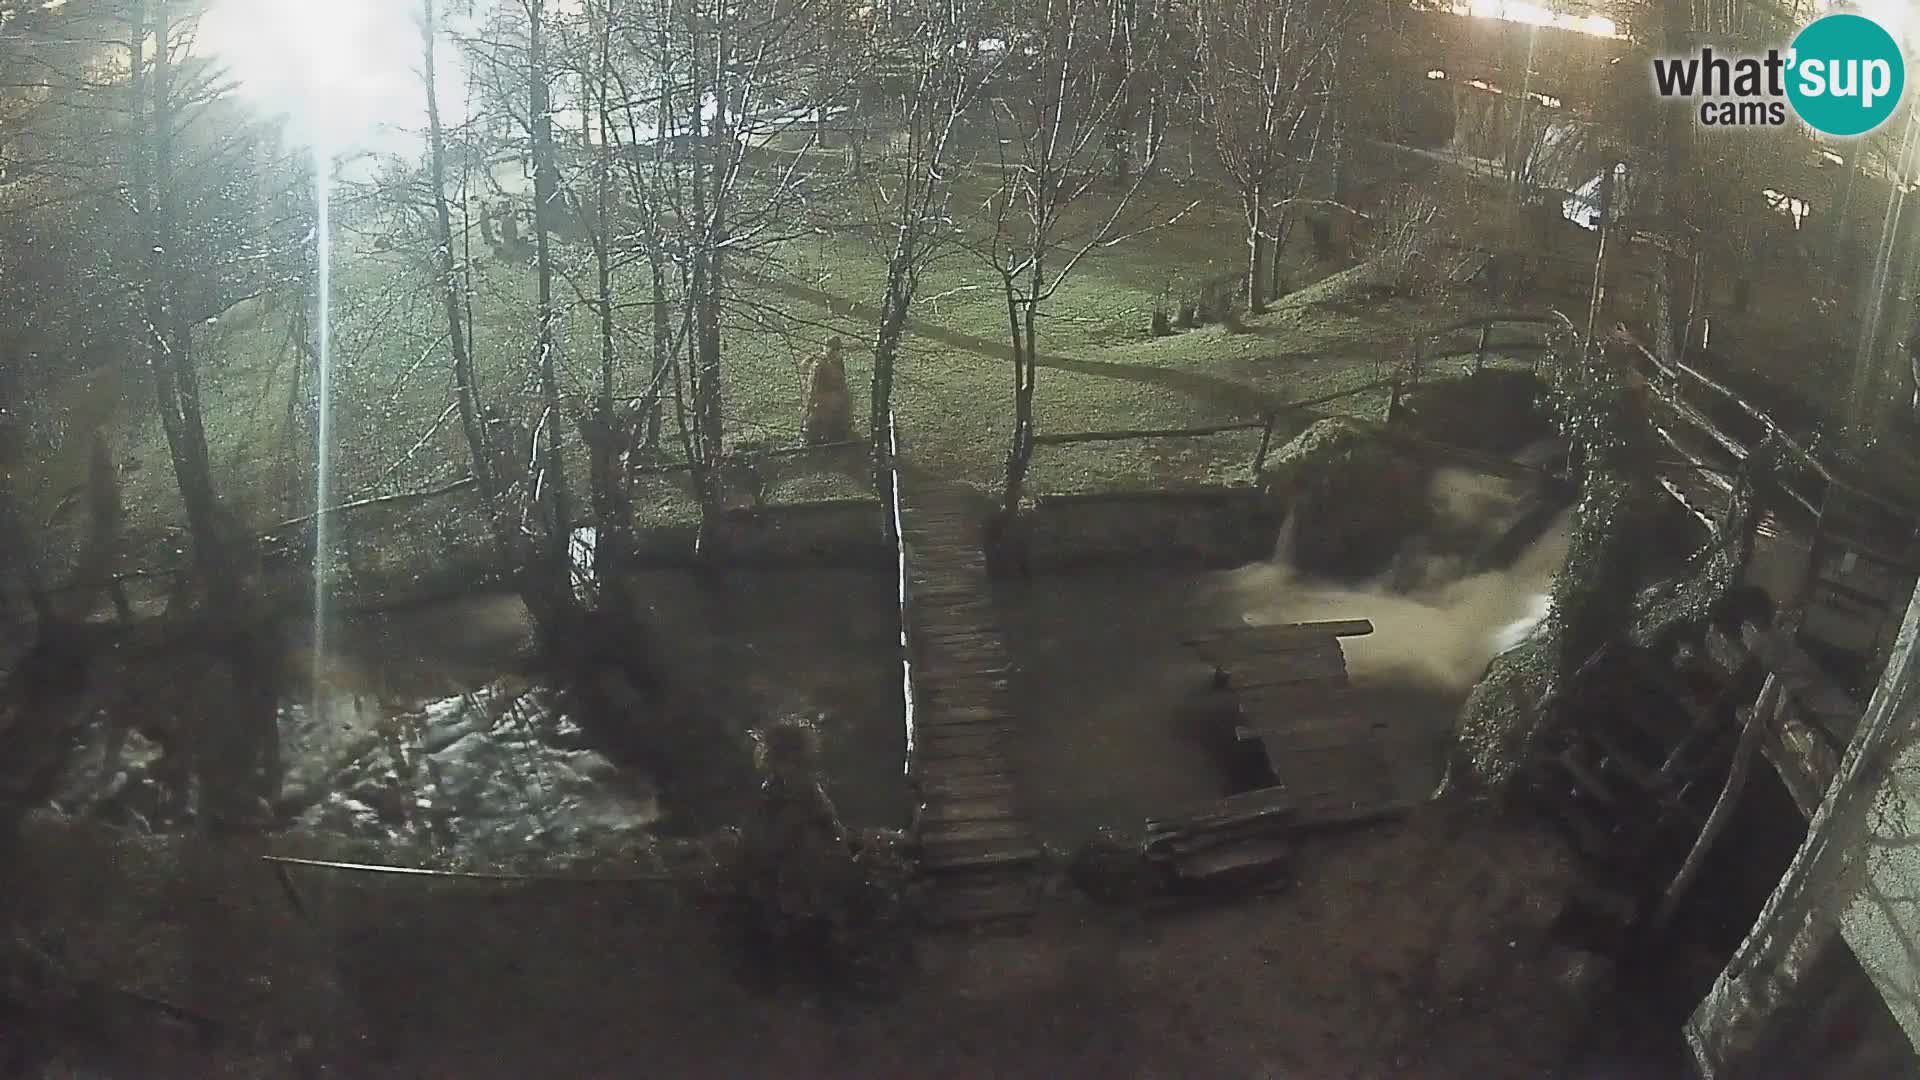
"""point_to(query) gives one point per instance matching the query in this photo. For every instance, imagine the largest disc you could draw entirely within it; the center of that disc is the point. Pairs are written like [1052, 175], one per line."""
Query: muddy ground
[1416, 949]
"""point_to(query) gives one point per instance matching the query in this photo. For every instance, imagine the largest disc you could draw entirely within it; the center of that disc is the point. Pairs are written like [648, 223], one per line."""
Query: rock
[1352, 499]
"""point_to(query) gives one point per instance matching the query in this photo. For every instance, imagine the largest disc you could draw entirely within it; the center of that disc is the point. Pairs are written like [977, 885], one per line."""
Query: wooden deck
[1330, 760]
[977, 853]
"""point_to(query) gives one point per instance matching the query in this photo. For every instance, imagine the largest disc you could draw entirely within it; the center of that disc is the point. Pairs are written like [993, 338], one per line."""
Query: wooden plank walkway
[977, 853]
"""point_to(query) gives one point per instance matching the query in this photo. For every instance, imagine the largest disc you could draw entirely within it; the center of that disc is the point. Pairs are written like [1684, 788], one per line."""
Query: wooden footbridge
[977, 853]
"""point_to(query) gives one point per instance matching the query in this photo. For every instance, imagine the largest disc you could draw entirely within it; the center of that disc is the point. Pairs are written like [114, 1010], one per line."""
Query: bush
[1405, 227]
[809, 901]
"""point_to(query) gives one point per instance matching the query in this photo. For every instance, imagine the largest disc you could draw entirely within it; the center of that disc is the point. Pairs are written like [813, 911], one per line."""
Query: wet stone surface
[490, 772]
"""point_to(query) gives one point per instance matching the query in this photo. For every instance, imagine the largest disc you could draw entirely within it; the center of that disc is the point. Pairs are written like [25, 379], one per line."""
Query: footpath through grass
[394, 430]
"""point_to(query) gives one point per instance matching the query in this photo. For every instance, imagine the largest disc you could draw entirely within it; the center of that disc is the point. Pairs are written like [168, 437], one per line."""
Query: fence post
[1480, 354]
[1266, 441]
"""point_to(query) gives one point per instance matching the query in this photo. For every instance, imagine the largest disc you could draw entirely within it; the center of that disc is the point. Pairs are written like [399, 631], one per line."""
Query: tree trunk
[168, 344]
[1752, 734]
[663, 344]
[857, 136]
[552, 567]
[714, 239]
[1276, 274]
[886, 352]
[662, 347]
[1256, 253]
[704, 436]
[480, 462]
[1597, 297]
[1021, 319]
[609, 494]
[1675, 127]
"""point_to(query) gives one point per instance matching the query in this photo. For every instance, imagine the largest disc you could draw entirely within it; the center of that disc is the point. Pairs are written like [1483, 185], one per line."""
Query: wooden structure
[1864, 560]
[1241, 840]
[1289, 687]
[1864, 543]
[1809, 722]
[977, 853]
[1619, 776]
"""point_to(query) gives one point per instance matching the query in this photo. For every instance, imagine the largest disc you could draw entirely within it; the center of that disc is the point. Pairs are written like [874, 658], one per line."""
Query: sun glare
[1519, 11]
[341, 71]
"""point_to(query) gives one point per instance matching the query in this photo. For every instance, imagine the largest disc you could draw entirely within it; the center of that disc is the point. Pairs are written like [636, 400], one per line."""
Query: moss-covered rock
[1352, 499]
[1500, 720]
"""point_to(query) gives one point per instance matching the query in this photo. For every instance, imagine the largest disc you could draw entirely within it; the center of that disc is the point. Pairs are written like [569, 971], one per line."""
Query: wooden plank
[969, 722]
[949, 811]
[1243, 802]
[1253, 671]
[1803, 680]
[976, 858]
[1331, 815]
[1261, 805]
[984, 786]
[1242, 863]
[950, 832]
[1253, 653]
[932, 745]
[939, 669]
[960, 690]
[963, 714]
[1283, 702]
[1279, 633]
[1279, 715]
[948, 768]
[1282, 751]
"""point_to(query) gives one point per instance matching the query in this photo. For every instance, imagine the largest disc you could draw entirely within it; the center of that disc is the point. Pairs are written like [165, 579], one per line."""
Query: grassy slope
[1100, 370]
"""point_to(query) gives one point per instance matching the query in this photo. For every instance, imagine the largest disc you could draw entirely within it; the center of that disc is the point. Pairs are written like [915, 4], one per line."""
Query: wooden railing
[1809, 489]
[891, 496]
[1428, 351]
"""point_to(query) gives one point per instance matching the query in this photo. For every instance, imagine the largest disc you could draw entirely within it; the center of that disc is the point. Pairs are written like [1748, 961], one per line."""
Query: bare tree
[716, 162]
[612, 511]
[168, 340]
[941, 83]
[550, 482]
[1264, 69]
[1050, 207]
[453, 287]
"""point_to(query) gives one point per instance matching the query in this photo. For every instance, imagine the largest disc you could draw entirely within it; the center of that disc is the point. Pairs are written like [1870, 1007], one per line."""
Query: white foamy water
[1440, 635]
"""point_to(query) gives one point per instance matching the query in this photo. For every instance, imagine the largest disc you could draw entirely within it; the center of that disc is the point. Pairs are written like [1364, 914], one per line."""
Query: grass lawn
[1100, 370]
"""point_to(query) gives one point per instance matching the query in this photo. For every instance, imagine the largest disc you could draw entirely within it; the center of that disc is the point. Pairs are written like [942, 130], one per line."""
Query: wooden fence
[1428, 352]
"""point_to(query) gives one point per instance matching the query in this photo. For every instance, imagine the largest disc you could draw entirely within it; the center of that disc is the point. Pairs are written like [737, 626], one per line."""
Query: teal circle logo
[1845, 75]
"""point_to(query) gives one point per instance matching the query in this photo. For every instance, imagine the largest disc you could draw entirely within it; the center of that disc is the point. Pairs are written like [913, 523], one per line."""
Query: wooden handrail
[1679, 371]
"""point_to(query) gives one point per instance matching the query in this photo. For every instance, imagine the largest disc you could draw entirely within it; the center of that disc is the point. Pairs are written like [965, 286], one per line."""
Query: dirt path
[1235, 397]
